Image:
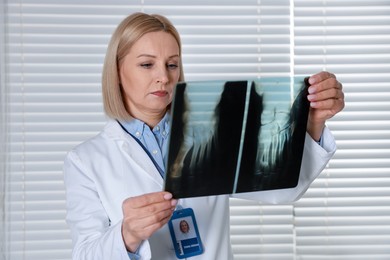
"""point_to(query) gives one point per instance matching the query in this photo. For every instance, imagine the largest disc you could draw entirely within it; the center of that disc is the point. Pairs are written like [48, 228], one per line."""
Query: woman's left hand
[326, 100]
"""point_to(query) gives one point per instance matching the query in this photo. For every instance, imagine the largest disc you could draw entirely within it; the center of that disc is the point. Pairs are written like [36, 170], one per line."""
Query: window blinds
[2, 130]
[55, 55]
[346, 212]
[55, 50]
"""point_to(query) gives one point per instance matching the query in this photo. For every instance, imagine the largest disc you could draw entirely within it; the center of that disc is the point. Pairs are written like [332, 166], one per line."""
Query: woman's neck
[150, 120]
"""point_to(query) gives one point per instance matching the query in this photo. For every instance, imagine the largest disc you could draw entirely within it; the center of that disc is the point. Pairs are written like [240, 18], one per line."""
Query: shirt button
[154, 151]
[157, 128]
[164, 133]
[137, 134]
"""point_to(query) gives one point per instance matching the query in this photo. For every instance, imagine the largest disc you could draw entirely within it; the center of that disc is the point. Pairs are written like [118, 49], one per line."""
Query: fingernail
[312, 80]
[311, 90]
[310, 97]
[167, 196]
[173, 203]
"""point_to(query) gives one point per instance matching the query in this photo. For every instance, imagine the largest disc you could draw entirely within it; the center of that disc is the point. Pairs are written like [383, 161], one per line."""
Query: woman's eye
[172, 66]
[146, 65]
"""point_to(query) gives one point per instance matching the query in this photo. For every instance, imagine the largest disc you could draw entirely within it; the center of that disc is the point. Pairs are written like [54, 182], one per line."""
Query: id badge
[184, 233]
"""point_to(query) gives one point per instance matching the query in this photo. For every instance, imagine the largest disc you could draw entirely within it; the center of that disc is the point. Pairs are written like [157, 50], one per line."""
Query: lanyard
[146, 150]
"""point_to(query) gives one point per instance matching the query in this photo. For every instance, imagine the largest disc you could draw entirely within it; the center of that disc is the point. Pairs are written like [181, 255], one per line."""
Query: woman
[115, 206]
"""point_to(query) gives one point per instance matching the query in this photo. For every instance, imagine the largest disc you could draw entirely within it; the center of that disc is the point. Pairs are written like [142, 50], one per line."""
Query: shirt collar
[137, 127]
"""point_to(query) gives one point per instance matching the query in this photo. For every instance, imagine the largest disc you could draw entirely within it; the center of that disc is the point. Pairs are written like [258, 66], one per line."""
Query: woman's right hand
[143, 215]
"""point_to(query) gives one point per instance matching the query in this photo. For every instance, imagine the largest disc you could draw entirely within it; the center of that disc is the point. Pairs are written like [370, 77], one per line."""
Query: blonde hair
[126, 34]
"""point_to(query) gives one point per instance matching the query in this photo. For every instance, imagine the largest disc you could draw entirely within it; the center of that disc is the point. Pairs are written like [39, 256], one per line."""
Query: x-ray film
[236, 136]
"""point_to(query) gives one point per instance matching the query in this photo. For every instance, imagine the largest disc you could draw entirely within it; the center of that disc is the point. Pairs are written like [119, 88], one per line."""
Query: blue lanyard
[146, 150]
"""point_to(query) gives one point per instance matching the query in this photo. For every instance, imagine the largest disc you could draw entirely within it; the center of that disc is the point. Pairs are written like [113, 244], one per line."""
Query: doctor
[115, 206]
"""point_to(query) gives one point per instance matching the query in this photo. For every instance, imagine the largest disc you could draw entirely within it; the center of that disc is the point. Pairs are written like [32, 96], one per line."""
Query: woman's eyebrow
[154, 56]
[146, 55]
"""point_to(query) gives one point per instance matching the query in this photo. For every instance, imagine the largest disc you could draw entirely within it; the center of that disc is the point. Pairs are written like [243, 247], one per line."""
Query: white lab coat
[105, 170]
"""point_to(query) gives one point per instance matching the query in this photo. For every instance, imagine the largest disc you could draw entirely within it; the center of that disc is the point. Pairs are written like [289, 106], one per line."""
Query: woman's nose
[163, 76]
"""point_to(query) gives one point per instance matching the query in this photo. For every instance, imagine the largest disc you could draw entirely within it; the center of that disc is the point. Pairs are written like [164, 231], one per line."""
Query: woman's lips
[160, 93]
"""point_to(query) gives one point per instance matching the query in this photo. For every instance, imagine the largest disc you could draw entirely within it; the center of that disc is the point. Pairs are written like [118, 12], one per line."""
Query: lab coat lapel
[134, 152]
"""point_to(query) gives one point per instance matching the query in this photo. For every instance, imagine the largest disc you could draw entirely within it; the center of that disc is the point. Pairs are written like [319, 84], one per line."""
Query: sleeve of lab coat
[94, 237]
[314, 160]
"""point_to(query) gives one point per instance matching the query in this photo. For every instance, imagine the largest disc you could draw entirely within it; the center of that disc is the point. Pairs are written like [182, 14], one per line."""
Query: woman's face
[184, 227]
[149, 73]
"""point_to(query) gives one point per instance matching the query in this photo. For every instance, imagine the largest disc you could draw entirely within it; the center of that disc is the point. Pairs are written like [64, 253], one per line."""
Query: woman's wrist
[315, 131]
[132, 244]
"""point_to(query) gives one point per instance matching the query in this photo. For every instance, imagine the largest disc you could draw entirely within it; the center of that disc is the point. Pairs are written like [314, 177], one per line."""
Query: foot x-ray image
[236, 136]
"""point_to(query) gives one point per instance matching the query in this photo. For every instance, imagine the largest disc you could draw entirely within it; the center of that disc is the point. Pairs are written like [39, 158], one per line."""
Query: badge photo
[184, 233]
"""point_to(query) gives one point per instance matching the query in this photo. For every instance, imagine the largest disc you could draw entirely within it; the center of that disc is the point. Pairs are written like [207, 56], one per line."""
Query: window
[345, 214]
[51, 101]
